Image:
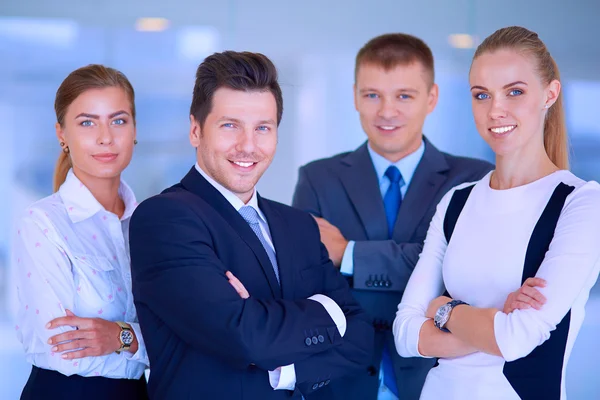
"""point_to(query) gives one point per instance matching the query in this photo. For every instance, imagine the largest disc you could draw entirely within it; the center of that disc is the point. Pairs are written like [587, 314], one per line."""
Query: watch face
[126, 337]
[441, 316]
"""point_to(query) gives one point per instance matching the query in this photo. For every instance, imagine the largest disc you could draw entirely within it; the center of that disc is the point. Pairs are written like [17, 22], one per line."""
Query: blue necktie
[251, 217]
[391, 201]
[393, 198]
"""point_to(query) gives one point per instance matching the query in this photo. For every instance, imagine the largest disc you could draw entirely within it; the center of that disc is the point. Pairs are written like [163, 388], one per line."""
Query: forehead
[402, 75]
[107, 99]
[243, 104]
[501, 67]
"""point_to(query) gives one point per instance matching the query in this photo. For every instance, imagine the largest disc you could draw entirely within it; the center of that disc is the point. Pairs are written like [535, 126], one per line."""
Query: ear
[432, 97]
[552, 92]
[60, 135]
[355, 97]
[195, 132]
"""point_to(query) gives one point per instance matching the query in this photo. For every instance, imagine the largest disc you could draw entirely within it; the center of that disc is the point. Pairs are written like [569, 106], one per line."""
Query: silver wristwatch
[443, 314]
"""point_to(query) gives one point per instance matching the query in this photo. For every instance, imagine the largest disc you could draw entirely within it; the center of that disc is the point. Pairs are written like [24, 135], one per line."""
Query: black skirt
[44, 384]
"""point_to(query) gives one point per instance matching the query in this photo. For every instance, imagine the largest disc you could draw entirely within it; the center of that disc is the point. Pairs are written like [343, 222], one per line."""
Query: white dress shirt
[283, 377]
[484, 263]
[70, 253]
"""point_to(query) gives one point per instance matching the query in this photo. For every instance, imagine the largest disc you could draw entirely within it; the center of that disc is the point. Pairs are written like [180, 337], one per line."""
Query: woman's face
[99, 130]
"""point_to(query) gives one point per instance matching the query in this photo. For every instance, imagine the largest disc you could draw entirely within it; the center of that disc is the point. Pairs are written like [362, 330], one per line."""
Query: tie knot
[249, 214]
[393, 174]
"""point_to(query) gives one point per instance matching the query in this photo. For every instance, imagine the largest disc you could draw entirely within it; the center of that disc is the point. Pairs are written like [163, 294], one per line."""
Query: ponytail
[63, 165]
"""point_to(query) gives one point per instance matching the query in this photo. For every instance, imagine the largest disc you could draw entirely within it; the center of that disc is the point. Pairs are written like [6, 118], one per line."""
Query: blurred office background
[158, 45]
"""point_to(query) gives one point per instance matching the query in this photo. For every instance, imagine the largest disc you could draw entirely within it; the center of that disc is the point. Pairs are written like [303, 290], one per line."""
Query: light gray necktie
[251, 217]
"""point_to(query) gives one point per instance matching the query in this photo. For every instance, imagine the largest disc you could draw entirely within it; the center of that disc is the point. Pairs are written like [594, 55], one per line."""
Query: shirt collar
[81, 204]
[406, 165]
[231, 197]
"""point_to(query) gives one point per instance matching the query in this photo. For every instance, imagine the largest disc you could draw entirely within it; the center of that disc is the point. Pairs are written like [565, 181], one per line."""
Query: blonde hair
[528, 42]
[93, 76]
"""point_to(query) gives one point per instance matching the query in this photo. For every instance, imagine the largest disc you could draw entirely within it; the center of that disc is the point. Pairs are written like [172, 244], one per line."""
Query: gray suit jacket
[344, 190]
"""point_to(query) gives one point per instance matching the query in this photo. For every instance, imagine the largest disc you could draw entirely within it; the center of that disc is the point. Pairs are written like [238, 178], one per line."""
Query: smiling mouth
[387, 128]
[503, 130]
[244, 164]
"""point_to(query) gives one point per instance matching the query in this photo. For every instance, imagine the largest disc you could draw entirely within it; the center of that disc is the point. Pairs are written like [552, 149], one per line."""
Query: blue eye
[405, 96]
[371, 95]
[87, 122]
[119, 121]
[228, 125]
[515, 92]
[481, 96]
[263, 128]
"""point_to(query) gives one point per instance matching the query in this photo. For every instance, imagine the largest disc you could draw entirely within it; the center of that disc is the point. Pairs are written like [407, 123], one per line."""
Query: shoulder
[467, 163]
[324, 164]
[172, 201]
[585, 193]
[48, 212]
[293, 216]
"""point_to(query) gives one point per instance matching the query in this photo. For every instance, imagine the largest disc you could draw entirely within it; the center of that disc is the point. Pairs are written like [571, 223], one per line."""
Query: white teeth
[503, 129]
[388, 128]
[243, 164]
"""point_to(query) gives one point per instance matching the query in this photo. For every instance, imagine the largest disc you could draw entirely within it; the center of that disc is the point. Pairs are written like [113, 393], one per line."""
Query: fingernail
[48, 325]
[64, 356]
[55, 348]
[49, 341]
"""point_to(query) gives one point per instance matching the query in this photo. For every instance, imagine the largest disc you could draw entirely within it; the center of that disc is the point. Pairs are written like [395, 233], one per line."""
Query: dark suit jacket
[203, 340]
[344, 190]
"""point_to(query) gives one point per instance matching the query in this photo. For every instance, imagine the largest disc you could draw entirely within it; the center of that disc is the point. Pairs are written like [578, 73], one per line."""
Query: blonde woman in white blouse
[76, 319]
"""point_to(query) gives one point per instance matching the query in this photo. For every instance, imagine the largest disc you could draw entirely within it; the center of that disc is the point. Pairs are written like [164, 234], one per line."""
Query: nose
[246, 141]
[387, 110]
[497, 109]
[105, 136]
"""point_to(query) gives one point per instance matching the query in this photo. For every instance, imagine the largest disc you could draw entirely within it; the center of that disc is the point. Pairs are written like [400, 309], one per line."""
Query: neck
[520, 169]
[104, 190]
[399, 155]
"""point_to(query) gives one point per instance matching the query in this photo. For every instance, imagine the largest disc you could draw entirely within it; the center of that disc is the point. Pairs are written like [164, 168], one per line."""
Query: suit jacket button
[315, 386]
[321, 338]
[388, 283]
[369, 283]
[371, 371]
[327, 382]
[308, 341]
[321, 384]
[315, 340]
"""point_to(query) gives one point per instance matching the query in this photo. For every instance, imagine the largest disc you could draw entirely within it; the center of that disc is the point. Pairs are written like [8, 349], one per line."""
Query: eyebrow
[503, 87]
[399, 90]
[240, 122]
[94, 116]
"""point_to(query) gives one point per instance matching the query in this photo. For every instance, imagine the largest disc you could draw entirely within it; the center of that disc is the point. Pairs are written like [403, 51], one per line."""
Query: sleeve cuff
[283, 378]
[335, 312]
[141, 355]
[347, 266]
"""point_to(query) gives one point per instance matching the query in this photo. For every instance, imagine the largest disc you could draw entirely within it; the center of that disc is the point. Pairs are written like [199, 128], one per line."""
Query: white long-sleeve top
[70, 253]
[484, 263]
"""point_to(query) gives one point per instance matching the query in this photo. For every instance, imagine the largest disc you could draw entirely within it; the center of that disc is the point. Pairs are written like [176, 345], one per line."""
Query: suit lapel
[426, 182]
[195, 183]
[283, 251]
[362, 186]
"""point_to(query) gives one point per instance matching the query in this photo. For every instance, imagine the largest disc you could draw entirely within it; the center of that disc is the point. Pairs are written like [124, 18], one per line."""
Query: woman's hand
[237, 285]
[93, 337]
[435, 304]
[526, 296]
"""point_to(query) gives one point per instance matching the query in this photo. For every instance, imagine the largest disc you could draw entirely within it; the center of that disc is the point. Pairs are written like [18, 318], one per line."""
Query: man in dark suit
[374, 204]
[236, 295]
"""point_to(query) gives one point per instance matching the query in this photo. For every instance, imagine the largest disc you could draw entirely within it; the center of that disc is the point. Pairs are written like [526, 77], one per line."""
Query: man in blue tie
[236, 295]
[374, 205]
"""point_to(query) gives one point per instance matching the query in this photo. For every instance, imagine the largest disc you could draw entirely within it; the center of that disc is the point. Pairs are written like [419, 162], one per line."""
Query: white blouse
[484, 263]
[70, 253]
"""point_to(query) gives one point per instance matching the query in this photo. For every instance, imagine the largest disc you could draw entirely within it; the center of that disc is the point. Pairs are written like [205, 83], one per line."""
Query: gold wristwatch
[125, 337]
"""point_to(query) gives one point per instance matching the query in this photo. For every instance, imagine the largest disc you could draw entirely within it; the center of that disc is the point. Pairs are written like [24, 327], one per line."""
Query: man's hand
[333, 240]
[237, 285]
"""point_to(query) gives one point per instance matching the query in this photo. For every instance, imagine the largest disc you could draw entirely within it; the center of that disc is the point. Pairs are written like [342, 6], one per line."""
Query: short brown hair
[393, 49]
[235, 70]
[93, 76]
